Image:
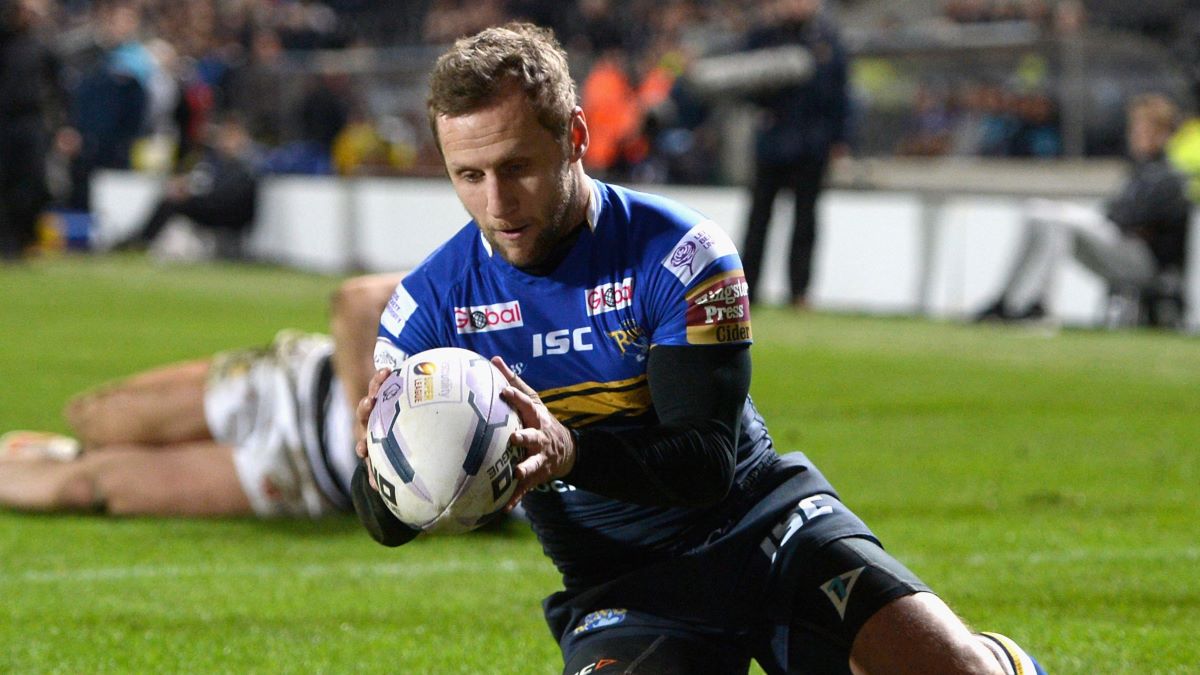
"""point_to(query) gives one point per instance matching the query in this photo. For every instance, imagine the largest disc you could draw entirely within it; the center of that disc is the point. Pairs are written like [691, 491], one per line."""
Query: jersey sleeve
[407, 325]
[700, 291]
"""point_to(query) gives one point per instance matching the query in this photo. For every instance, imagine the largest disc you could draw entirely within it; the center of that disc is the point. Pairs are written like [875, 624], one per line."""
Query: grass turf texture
[1045, 486]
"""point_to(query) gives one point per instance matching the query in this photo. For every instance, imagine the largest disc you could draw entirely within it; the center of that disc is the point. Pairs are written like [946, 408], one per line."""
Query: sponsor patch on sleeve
[701, 245]
[718, 310]
[399, 308]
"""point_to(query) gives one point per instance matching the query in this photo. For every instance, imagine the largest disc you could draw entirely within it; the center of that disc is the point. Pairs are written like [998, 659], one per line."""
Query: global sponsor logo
[609, 297]
[601, 619]
[486, 318]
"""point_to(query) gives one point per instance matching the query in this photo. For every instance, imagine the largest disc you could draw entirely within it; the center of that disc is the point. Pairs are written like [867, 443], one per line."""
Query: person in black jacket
[28, 89]
[219, 193]
[803, 125]
[1141, 232]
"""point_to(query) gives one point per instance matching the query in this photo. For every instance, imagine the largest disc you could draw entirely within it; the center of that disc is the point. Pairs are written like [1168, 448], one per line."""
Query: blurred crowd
[151, 84]
[982, 119]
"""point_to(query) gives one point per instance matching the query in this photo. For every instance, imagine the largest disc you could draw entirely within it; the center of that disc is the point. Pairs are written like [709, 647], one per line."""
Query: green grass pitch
[1046, 486]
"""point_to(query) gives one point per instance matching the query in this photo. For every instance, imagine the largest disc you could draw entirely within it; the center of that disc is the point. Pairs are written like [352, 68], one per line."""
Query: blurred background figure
[802, 125]
[1139, 238]
[323, 112]
[110, 100]
[30, 103]
[219, 193]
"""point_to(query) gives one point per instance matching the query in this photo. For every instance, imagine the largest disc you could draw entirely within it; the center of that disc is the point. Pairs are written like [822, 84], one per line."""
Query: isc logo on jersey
[485, 318]
[609, 297]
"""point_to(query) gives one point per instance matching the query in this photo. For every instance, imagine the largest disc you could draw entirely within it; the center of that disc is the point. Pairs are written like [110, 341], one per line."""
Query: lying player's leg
[157, 407]
[186, 479]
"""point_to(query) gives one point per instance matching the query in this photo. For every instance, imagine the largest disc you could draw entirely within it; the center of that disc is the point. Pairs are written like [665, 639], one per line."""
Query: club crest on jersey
[718, 310]
[702, 244]
[486, 318]
[608, 297]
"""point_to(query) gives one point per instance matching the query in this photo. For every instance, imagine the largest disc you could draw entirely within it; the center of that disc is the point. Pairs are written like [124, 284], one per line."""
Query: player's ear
[577, 135]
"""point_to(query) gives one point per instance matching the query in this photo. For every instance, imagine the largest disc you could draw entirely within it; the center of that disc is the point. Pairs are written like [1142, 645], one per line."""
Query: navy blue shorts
[788, 585]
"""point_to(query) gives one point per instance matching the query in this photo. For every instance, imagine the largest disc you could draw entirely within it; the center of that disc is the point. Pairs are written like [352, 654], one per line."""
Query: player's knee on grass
[651, 654]
[919, 634]
[83, 415]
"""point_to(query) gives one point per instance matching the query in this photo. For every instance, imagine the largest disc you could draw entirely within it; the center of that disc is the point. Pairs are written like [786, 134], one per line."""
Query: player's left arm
[687, 459]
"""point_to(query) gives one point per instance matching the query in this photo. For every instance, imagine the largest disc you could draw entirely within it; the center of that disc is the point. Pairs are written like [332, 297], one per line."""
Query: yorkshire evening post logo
[485, 318]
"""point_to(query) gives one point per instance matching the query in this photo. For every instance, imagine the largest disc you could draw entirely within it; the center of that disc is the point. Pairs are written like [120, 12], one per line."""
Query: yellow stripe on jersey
[587, 403]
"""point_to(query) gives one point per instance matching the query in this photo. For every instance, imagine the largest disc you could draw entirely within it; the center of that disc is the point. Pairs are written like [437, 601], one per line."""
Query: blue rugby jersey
[644, 272]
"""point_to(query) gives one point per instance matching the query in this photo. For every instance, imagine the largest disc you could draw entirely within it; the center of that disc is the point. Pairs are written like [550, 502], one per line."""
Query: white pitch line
[409, 569]
[509, 566]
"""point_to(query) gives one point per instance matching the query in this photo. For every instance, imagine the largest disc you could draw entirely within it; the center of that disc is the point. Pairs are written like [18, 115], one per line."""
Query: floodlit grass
[1045, 485]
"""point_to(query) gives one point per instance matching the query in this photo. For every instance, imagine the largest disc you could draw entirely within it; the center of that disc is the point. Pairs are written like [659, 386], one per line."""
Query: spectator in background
[323, 114]
[257, 86]
[614, 114]
[999, 124]
[1037, 133]
[218, 194]
[930, 126]
[28, 89]
[803, 125]
[1141, 233]
[110, 102]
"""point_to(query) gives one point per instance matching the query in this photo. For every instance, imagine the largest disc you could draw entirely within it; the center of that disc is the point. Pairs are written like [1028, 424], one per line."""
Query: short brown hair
[1158, 109]
[479, 67]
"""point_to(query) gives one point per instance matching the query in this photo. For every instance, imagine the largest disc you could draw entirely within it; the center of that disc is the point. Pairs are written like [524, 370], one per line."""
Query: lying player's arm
[688, 458]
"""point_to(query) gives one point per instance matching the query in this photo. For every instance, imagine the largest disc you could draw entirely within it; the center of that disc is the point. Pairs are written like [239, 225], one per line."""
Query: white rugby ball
[438, 441]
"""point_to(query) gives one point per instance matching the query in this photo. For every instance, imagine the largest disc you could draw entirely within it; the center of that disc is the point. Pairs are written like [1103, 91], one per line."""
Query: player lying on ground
[254, 431]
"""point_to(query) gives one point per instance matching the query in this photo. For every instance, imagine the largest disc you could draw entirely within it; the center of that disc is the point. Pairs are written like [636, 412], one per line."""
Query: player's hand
[549, 446]
[362, 414]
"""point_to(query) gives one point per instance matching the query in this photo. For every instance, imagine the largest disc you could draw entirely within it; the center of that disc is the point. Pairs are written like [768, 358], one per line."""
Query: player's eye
[516, 168]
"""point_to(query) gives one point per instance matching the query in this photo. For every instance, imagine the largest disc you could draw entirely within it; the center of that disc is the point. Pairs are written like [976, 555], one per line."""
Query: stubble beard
[557, 225]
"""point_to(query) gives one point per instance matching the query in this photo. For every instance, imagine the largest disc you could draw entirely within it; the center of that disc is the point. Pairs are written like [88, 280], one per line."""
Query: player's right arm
[372, 512]
[400, 315]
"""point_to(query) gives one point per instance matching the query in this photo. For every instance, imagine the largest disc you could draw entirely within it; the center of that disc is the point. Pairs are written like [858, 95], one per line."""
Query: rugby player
[685, 542]
[266, 431]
